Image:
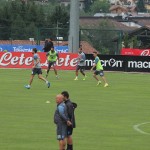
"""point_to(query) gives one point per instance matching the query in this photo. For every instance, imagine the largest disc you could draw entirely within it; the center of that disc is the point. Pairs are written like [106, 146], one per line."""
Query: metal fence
[103, 41]
[59, 35]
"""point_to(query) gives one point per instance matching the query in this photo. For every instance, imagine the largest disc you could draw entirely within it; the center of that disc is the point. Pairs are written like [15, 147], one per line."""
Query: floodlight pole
[74, 27]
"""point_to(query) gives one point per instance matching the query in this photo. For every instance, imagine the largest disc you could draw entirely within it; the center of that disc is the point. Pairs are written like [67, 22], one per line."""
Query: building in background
[127, 5]
[123, 6]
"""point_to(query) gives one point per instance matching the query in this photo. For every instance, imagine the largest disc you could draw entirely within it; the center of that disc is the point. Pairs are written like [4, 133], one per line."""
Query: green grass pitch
[105, 117]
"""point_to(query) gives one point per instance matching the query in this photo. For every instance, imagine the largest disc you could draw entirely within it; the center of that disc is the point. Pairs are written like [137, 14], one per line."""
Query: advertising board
[68, 61]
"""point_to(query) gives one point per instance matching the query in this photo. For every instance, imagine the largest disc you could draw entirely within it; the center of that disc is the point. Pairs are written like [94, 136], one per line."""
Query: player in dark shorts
[62, 121]
[70, 110]
[80, 64]
[52, 57]
[99, 70]
[36, 69]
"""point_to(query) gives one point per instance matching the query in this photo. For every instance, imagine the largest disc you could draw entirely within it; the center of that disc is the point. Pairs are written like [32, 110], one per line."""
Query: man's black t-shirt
[48, 45]
[70, 111]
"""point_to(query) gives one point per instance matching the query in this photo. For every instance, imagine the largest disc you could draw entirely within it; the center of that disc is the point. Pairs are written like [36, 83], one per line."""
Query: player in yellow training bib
[52, 57]
[99, 70]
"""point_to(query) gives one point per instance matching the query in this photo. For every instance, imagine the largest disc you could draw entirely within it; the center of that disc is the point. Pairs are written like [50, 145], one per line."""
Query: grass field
[105, 116]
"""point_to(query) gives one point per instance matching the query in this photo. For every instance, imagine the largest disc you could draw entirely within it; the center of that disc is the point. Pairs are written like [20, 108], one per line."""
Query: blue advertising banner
[28, 48]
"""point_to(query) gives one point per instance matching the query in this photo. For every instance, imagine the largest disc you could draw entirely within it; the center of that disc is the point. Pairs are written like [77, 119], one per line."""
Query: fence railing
[92, 39]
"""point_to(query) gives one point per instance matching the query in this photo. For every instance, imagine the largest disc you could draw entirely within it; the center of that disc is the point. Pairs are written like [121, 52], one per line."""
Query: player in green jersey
[52, 57]
[99, 70]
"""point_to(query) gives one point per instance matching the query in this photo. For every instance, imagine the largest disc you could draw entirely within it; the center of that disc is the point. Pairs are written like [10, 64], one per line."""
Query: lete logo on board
[67, 61]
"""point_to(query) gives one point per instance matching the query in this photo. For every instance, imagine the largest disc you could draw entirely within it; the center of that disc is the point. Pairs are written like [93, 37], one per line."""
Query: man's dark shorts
[61, 131]
[51, 63]
[101, 73]
[69, 130]
[81, 68]
[36, 71]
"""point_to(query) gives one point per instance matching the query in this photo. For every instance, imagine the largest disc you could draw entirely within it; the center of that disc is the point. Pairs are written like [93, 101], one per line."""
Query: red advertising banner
[135, 52]
[67, 61]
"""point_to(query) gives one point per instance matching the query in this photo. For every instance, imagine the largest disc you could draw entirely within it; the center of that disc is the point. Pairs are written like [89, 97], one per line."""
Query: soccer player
[52, 57]
[71, 116]
[36, 69]
[62, 121]
[99, 70]
[80, 64]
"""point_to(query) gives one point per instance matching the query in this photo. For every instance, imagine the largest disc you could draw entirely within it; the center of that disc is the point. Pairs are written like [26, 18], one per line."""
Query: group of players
[99, 68]
[52, 57]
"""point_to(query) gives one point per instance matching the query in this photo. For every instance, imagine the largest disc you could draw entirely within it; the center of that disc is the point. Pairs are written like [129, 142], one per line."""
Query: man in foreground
[62, 121]
[36, 69]
[99, 70]
[71, 116]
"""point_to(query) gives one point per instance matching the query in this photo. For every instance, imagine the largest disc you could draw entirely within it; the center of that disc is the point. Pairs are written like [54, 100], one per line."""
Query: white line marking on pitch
[136, 127]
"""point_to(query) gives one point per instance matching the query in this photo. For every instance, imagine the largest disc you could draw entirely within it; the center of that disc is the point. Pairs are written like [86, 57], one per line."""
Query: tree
[5, 21]
[15, 9]
[31, 31]
[16, 18]
[88, 4]
[141, 6]
[100, 6]
[18, 28]
[60, 15]
[58, 19]
[130, 42]
[126, 41]
[32, 11]
[40, 21]
[54, 1]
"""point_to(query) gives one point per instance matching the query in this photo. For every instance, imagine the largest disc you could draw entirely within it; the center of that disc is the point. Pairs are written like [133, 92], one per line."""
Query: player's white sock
[46, 82]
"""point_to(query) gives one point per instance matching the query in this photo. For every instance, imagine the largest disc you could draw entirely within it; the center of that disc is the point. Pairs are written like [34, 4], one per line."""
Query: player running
[80, 64]
[36, 69]
[52, 57]
[99, 70]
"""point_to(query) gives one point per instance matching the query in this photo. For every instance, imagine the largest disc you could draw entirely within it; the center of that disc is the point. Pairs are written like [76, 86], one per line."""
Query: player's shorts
[36, 71]
[81, 68]
[51, 63]
[101, 73]
[61, 131]
[69, 130]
